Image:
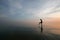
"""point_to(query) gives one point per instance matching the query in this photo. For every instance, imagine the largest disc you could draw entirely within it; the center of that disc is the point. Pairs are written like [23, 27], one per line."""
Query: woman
[40, 23]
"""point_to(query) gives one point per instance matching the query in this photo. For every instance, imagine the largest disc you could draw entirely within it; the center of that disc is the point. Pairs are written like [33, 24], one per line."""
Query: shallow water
[15, 33]
[55, 32]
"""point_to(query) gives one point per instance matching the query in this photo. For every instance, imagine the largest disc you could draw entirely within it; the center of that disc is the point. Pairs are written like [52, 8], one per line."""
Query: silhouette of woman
[40, 23]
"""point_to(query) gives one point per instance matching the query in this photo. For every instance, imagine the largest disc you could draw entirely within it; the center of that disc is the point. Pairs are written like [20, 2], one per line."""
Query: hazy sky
[29, 9]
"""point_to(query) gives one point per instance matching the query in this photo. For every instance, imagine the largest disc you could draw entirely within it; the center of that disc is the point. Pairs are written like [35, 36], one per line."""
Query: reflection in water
[55, 32]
